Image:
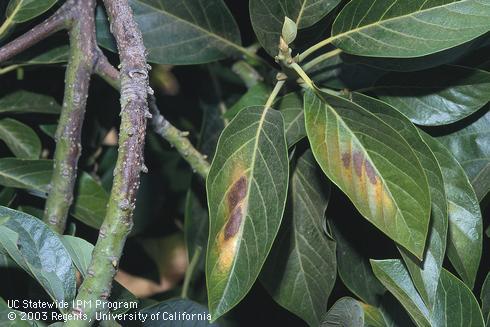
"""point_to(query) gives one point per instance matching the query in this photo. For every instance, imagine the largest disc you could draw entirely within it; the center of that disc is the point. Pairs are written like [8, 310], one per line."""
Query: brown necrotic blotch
[360, 163]
[235, 196]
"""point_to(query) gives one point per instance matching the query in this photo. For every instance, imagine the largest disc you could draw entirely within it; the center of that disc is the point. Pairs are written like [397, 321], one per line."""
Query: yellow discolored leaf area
[246, 189]
[373, 165]
[236, 208]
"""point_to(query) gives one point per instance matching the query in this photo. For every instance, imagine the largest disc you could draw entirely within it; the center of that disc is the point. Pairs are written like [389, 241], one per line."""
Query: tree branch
[61, 19]
[134, 111]
[179, 140]
[161, 126]
[69, 130]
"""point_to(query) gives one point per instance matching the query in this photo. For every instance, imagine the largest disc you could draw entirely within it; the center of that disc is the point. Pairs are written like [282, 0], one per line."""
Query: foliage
[341, 152]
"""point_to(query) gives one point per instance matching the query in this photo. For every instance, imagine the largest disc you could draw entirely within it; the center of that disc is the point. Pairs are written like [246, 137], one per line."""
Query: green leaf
[291, 107]
[37, 56]
[90, 203]
[404, 29]
[268, 17]
[246, 189]
[80, 252]
[485, 299]
[397, 280]
[7, 195]
[20, 139]
[344, 312]
[438, 96]
[211, 128]
[289, 30]
[465, 231]
[90, 198]
[425, 274]
[257, 95]
[373, 165]
[40, 252]
[81, 255]
[20, 11]
[176, 305]
[181, 32]
[49, 130]
[354, 268]
[26, 174]
[7, 320]
[394, 313]
[195, 224]
[373, 317]
[28, 102]
[455, 305]
[301, 268]
[338, 73]
[471, 148]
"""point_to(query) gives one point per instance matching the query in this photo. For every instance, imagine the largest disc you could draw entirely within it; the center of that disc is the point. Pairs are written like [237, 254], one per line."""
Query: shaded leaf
[338, 73]
[49, 130]
[28, 102]
[291, 107]
[26, 174]
[53, 55]
[211, 128]
[19, 11]
[301, 268]
[89, 205]
[20, 139]
[246, 189]
[464, 243]
[354, 268]
[181, 32]
[373, 317]
[40, 252]
[177, 305]
[425, 274]
[268, 16]
[471, 148]
[438, 96]
[344, 312]
[257, 95]
[195, 224]
[90, 198]
[408, 28]
[7, 320]
[485, 299]
[373, 165]
[80, 252]
[81, 255]
[394, 313]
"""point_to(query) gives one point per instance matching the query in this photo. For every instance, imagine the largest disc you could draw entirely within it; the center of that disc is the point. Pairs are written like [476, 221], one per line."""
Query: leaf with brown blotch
[373, 165]
[246, 189]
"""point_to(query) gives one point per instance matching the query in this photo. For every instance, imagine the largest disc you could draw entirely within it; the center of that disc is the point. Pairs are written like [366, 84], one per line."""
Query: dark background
[161, 202]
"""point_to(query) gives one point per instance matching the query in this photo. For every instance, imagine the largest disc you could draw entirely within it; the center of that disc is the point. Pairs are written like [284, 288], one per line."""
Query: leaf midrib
[13, 139]
[10, 18]
[18, 179]
[399, 211]
[249, 186]
[380, 22]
